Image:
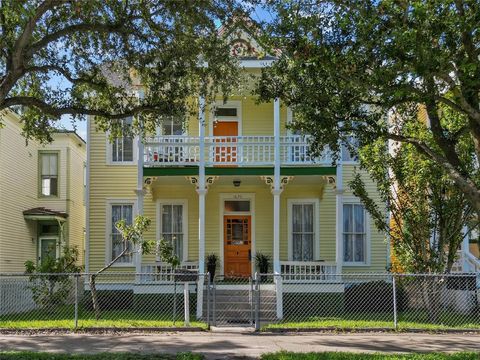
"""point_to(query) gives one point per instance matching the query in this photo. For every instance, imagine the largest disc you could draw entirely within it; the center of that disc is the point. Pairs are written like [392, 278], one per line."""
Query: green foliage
[82, 58]
[212, 260]
[132, 235]
[345, 67]
[263, 262]
[53, 289]
[353, 356]
[167, 253]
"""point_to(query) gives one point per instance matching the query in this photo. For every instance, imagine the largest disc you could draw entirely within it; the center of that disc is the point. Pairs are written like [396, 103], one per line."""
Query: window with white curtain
[122, 147]
[120, 212]
[354, 233]
[172, 226]
[49, 174]
[302, 231]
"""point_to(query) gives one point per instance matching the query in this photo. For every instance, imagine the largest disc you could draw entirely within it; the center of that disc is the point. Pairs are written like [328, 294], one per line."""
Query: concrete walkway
[226, 345]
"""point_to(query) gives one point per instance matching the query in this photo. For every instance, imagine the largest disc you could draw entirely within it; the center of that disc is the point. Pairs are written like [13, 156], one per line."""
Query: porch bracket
[269, 181]
[331, 180]
[147, 184]
[209, 180]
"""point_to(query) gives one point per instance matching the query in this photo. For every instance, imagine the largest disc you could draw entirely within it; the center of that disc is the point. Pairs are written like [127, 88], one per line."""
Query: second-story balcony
[231, 151]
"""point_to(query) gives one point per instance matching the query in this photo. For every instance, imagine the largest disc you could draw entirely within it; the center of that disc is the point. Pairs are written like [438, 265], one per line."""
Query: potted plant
[262, 263]
[212, 263]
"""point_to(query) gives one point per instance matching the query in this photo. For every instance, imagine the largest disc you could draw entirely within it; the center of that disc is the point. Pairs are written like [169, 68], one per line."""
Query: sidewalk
[223, 345]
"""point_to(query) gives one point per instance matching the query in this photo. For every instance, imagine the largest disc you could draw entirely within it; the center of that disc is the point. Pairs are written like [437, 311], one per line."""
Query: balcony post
[276, 187]
[201, 190]
[339, 216]
[140, 192]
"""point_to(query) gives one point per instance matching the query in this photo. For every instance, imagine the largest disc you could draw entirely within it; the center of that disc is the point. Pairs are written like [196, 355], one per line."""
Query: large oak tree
[347, 66]
[77, 58]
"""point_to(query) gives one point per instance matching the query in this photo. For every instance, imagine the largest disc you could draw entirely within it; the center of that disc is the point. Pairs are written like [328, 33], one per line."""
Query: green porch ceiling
[238, 171]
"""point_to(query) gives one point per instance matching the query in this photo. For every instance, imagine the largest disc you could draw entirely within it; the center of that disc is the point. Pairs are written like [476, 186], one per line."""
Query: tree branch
[72, 110]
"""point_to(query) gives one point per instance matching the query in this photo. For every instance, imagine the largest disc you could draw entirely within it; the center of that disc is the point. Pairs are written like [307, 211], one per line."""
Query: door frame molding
[251, 213]
[230, 104]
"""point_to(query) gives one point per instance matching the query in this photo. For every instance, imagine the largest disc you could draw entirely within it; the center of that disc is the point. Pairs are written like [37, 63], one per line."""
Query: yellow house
[234, 182]
[42, 204]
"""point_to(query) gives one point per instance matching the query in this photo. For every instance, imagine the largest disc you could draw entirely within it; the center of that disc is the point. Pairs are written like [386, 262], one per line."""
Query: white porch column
[339, 216]
[202, 191]
[140, 194]
[276, 191]
[276, 188]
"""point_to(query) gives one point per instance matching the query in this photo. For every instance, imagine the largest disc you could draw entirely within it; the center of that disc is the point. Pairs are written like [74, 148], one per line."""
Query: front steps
[236, 307]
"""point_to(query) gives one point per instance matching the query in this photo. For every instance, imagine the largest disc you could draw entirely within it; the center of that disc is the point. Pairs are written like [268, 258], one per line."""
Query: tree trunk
[93, 289]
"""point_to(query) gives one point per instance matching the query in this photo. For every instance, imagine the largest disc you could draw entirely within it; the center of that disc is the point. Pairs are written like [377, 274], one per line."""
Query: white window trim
[159, 128]
[236, 196]
[108, 227]
[184, 203]
[109, 146]
[230, 104]
[316, 237]
[352, 200]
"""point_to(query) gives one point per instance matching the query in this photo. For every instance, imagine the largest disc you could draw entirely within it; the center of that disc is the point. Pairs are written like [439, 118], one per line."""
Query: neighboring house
[42, 204]
[234, 182]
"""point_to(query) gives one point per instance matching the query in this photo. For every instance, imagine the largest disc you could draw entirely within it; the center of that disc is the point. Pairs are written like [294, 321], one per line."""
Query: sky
[257, 14]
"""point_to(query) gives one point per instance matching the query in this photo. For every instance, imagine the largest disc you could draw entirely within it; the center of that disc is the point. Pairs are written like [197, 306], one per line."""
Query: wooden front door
[227, 131]
[237, 244]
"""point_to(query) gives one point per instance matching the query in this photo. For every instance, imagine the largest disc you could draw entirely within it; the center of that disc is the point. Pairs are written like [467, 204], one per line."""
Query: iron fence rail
[336, 301]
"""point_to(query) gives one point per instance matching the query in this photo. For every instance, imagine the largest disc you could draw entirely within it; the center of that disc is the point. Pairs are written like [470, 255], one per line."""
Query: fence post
[208, 300]
[76, 277]
[394, 287]
[186, 303]
[257, 302]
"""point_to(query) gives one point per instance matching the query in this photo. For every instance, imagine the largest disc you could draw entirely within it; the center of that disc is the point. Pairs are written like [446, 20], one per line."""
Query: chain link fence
[264, 301]
[383, 301]
[118, 300]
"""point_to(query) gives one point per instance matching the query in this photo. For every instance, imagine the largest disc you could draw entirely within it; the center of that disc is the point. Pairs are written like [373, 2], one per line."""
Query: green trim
[235, 171]
[170, 171]
[317, 170]
[39, 174]
[239, 171]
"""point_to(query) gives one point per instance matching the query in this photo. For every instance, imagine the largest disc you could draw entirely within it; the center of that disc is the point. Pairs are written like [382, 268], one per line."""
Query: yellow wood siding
[106, 182]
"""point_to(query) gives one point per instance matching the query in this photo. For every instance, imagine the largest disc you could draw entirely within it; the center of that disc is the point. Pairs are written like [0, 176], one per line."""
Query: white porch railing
[230, 150]
[466, 262]
[294, 271]
[161, 272]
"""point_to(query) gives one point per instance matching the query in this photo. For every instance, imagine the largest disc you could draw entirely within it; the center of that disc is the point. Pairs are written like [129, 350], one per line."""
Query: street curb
[369, 330]
[97, 330]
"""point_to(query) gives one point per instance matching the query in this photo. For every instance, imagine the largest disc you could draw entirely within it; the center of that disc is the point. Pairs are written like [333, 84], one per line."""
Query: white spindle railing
[230, 150]
[162, 272]
[172, 150]
[293, 271]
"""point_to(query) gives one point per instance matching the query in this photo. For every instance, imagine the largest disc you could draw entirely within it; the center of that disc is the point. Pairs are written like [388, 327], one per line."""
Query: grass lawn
[352, 356]
[406, 320]
[275, 356]
[63, 317]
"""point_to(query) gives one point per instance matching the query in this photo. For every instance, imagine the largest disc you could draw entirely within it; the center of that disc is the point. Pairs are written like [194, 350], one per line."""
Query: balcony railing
[230, 151]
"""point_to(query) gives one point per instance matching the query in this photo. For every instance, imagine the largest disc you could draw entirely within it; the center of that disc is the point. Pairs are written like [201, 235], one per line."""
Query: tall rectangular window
[171, 126]
[122, 147]
[350, 150]
[303, 233]
[120, 212]
[354, 233]
[49, 174]
[172, 227]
